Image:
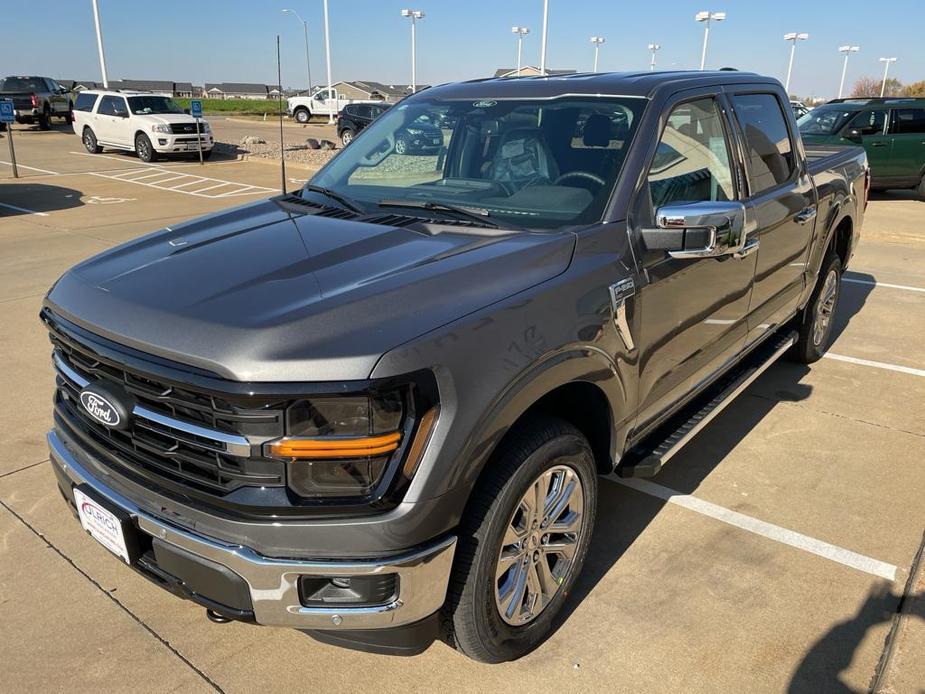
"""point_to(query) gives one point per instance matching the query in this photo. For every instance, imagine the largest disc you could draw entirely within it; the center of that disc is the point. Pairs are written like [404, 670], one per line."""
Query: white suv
[148, 124]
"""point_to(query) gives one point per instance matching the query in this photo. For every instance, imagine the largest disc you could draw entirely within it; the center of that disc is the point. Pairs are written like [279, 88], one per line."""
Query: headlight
[204, 127]
[340, 446]
[160, 128]
[415, 131]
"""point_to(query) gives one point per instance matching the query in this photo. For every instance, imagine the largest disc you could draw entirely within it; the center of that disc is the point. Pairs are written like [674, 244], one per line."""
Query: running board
[646, 459]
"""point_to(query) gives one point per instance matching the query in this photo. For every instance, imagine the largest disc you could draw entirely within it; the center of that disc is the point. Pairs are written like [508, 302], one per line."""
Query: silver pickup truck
[37, 100]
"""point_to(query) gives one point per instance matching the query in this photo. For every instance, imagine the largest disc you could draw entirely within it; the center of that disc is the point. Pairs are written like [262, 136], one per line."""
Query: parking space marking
[791, 538]
[31, 168]
[870, 283]
[876, 364]
[152, 177]
[23, 209]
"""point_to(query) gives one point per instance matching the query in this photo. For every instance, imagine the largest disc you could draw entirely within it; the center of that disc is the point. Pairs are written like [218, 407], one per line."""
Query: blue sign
[6, 111]
[195, 108]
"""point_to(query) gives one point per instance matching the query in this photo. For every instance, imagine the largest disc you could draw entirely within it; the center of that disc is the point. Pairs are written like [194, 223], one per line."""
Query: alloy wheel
[825, 308]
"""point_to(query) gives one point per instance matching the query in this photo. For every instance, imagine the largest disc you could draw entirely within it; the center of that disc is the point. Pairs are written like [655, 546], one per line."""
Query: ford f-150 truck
[376, 409]
[36, 100]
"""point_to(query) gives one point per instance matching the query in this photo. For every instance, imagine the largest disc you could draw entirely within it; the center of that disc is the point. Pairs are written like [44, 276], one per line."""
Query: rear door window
[769, 149]
[112, 105]
[85, 102]
[907, 121]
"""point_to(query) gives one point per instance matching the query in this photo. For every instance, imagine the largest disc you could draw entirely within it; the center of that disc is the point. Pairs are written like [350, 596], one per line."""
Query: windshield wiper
[342, 199]
[478, 215]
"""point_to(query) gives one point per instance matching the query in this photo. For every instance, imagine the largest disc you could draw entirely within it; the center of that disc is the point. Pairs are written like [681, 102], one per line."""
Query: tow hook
[216, 617]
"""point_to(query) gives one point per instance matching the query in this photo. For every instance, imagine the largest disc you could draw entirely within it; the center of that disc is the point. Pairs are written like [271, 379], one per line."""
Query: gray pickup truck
[37, 100]
[376, 409]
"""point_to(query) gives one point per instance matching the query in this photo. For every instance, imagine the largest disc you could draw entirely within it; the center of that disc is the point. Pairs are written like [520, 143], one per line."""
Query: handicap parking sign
[195, 107]
[6, 111]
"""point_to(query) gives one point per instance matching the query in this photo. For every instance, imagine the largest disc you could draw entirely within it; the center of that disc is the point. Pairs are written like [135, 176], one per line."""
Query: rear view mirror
[698, 230]
[854, 135]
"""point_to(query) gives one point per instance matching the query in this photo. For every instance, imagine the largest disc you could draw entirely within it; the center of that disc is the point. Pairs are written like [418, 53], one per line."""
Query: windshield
[153, 104]
[527, 163]
[823, 121]
[23, 84]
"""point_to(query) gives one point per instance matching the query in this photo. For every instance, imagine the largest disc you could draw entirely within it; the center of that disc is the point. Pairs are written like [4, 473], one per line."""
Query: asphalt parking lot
[775, 553]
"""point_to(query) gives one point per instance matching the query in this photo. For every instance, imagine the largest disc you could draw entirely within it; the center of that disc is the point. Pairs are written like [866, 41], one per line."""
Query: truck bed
[821, 158]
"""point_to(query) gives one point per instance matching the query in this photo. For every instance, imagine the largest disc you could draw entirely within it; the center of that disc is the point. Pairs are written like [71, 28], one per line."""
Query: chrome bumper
[273, 583]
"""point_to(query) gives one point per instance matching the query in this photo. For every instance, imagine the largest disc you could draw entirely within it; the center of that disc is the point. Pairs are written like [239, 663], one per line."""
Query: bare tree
[870, 86]
[914, 89]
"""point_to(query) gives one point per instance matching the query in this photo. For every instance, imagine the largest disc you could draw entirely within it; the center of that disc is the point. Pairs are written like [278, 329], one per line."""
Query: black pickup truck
[376, 409]
[36, 100]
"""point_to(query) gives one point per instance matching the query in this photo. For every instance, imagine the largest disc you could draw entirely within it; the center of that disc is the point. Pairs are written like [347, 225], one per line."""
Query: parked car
[148, 124]
[36, 100]
[799, 108]
[376, 409]
[322, 102]
[354, 117]
[891, 130]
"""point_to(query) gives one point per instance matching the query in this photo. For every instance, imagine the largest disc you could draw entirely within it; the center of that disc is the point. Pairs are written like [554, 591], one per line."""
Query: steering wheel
[594, 178]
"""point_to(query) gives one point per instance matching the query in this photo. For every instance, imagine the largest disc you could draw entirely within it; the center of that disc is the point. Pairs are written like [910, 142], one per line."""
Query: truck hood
[259, 293]
[168, 118]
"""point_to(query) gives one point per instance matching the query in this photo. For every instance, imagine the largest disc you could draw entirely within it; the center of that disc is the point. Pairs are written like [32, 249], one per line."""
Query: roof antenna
[279, 109]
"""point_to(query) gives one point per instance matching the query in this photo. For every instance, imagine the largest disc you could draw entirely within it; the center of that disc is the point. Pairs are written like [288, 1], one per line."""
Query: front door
[781, 201]
[871, 124]
[692, 311]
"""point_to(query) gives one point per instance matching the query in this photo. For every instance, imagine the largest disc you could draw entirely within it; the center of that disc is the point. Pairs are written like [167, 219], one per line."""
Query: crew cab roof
[632, 84]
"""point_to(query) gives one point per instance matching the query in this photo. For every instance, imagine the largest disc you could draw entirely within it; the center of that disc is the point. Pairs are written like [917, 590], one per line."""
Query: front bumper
[172, 144]
[273, 584]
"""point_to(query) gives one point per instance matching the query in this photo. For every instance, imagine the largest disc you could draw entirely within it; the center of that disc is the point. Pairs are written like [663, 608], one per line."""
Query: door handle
[750, 247]
[805, 215]
[879, 144]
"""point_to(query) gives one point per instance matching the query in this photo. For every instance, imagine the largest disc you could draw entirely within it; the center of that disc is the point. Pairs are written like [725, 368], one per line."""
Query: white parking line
[31, 168]
[23, 209]
[876, 364]
[758, 527]
[151, 176]
[883, 284]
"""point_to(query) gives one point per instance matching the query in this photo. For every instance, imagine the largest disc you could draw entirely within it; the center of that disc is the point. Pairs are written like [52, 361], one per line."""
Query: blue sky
[234, 40]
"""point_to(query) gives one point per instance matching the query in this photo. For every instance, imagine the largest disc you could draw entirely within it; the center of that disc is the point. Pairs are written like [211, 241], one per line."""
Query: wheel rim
[302, 117]
[88, 140]
[142, 148]
[400, 147]
[539, 546]
[347, 137]
[825, 308]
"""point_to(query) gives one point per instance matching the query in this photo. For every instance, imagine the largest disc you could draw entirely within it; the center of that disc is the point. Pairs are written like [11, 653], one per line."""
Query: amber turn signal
[333, 448]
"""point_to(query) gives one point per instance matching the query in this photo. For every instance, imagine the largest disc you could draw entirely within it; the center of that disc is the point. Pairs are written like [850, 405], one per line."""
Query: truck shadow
[623, 514]
[28, 198]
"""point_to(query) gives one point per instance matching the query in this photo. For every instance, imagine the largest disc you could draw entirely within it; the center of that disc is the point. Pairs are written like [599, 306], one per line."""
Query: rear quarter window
[85, 102]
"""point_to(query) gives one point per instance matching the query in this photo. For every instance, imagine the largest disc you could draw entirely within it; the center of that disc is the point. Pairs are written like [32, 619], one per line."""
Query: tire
[347, 136]
[921, 188]
[542, 449]
[818, 318]
[401, 146]
[90, 143]
[69, 116]
[302, 115]
[45, 120]
[143, 148]
[206, 154]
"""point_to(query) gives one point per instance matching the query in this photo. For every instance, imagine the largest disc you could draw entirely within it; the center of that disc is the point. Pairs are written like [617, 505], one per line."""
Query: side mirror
[698, 230]
[854, 135]
[186, 111]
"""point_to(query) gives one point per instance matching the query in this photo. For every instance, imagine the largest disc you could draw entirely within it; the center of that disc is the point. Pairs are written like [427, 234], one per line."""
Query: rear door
[907, 159]
[692, 310]
[781, 202]
[108, 124]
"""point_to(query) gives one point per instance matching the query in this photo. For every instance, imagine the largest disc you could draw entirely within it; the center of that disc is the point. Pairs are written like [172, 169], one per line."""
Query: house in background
[237, 90]
[531, 71]
[182, 89]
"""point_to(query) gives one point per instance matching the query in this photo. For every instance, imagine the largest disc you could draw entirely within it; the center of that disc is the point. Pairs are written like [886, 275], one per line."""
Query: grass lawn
[255, 107]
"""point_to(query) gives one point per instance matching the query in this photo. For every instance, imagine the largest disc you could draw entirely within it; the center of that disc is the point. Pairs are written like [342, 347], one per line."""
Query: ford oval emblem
[485, 103]
[100, 408]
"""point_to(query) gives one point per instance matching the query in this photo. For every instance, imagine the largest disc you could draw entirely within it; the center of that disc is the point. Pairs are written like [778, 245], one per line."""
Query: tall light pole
[521, 32]
[327, 55]
[886, 71]
[793, 37]
[706, 17]
[99, 44]
[847, 50]
[308, 64]
[653, 47]
[415, 15]
[597, 41]
[545, 36]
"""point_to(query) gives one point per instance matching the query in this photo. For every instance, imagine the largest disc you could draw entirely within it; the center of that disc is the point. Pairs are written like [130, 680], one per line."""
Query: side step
[647, 458]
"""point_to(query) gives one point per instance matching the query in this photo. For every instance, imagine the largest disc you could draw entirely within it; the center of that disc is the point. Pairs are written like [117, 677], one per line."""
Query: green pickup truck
[891, 130]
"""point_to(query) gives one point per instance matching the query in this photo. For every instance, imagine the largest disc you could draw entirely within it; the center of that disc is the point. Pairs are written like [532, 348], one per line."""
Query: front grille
[183, 128]
[178, 435]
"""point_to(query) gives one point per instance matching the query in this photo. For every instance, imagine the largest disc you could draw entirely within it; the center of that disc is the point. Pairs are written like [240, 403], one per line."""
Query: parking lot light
[521, 32]
[308, 64]
[597, 41]
[414, 15]
[793, 37]
[653, 47]
[886, 70]
[327, 51]
[545, 36]
[706, 17]
[99, 43]
[847, 50]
